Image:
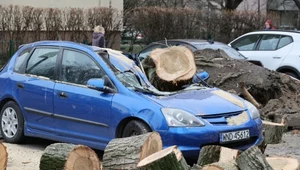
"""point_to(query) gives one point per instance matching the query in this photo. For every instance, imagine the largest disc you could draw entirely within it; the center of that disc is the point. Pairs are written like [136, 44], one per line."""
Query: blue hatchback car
[70, 92]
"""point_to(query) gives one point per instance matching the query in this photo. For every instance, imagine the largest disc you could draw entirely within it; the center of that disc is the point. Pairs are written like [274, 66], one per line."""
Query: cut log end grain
[229, 165]
[282, 163]
[3, 156]
[126, 153]
[168, 159]
[63, 156]
[214, 153]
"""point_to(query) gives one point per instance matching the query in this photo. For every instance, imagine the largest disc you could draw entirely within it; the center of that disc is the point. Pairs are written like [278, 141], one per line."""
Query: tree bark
[283, 163]
[214, 153]
[3, 156]
[272, 134]
[251, 159]
[168, 159]
[63, 156]
[230, 165]
[126, 153]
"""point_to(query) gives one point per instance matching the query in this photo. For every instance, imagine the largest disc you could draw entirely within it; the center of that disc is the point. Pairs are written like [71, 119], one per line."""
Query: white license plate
[234, 136]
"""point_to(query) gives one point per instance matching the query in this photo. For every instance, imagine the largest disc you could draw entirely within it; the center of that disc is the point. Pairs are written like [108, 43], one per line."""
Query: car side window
[269, 43]
[146, 52]
[285, 40]
[20, 60]
[246, 43]
[78, 68]
[42, 62]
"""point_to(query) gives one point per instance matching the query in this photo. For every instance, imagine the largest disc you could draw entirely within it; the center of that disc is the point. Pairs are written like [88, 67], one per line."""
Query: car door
[246, 45]
[271, 50]
[81, 113]
[34, 86]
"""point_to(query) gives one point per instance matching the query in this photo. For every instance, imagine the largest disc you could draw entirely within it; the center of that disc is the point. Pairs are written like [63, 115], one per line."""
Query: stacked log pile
[144, 152]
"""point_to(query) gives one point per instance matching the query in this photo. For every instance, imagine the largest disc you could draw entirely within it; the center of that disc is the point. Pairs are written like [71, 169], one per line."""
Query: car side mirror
[99, 84]
[203, 75]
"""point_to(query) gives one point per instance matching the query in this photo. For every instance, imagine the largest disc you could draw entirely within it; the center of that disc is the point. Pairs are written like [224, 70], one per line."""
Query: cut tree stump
[251, 159]
[64, 156]
[272, 134]
[126, 153]
[214, 153]
[282, 163]
[170, 158]
[3, 157]
[170, 68]
[229, 165]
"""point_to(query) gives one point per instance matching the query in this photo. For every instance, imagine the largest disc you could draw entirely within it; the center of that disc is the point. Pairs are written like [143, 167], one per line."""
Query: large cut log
[126, 153]
[3, 157]
[229, 165]
[282, 163]
[251, 159]
[168, 159]
[214, 153]
[272, 134]
[63, 156]
[170, 68]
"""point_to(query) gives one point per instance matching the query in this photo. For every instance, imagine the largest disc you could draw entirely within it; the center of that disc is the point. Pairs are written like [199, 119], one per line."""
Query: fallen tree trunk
[170, 158]
[276, 94]
[126, 153]
[63, 156]
[272, 134]
[251, 159]
[3, 156]
[214, 153]
[282, 163]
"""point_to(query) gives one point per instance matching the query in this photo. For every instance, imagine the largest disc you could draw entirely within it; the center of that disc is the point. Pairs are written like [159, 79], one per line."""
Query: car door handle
[62, 94]
[276, 57]
[20, 85]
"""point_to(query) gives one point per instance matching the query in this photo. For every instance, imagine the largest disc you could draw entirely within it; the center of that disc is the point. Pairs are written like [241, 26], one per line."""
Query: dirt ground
[27, 156]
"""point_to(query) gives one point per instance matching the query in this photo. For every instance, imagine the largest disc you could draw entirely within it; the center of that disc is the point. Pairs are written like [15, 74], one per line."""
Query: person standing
[98, 37]
[268, 25]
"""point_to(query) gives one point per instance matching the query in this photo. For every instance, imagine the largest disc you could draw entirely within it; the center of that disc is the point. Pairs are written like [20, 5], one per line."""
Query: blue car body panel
[91, 117]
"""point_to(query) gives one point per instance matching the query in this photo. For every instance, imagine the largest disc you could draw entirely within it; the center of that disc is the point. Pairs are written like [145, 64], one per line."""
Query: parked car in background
[128, 35]
[273, 49]
[80, 94]
[192, 44]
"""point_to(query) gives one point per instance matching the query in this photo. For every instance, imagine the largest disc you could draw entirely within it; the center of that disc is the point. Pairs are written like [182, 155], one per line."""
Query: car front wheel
[12, 123]
[134, 128]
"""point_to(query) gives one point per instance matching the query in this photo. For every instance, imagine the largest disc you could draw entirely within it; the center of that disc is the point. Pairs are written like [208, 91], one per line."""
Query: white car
[273, 49]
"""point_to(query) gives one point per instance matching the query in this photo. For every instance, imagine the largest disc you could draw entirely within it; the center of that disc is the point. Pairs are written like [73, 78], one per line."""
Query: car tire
[134, 128]
[12, 123]
[292, 74]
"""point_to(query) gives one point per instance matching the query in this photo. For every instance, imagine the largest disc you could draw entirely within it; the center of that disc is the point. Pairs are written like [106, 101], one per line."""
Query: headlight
[180, 118]
[254, 113]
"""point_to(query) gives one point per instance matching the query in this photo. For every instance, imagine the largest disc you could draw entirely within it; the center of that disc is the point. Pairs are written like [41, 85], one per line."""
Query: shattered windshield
[129, 74]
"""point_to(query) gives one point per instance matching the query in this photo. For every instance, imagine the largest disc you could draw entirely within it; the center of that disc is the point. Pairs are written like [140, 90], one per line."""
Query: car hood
[202, 102]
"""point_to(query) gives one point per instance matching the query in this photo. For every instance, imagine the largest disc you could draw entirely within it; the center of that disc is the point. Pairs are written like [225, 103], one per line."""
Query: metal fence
[7, 49]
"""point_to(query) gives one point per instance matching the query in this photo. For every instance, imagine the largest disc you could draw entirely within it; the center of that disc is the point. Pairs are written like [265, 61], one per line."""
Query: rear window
[284, 41]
